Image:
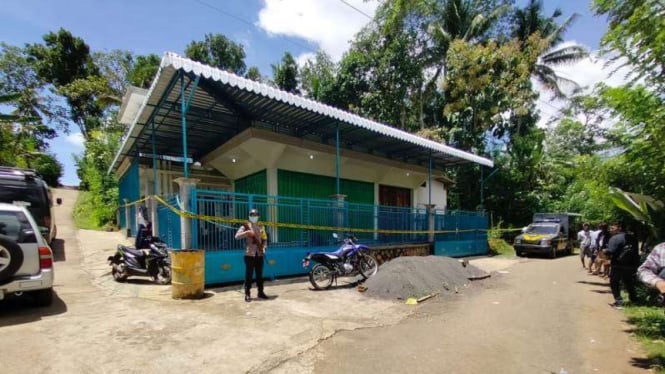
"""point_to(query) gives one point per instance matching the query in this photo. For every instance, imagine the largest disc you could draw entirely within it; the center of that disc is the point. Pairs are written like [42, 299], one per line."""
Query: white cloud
[586, 73]
[304, 57]
[327, 23]
[76, 139]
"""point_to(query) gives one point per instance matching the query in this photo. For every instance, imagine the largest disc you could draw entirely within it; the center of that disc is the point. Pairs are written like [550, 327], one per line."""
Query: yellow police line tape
[191, 215]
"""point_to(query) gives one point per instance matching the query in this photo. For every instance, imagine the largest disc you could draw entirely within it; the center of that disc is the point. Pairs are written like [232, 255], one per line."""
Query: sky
[266, 29]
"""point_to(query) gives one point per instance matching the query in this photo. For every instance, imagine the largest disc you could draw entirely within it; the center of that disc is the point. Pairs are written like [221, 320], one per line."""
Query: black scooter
[151, 260]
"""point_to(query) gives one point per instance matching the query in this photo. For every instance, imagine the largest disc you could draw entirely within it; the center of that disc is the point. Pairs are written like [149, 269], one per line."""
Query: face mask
[253, 219]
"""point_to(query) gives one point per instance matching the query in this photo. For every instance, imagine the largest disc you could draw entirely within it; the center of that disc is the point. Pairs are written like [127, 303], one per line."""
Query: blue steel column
[431, 224]
[337, 159]
[153, 201]
[183, 116]
[154, 159]
[429, 182]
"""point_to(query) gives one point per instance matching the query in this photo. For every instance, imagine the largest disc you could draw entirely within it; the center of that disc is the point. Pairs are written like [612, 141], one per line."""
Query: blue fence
[314, 221]
[169, 223]
[128, 188]
[467, 234]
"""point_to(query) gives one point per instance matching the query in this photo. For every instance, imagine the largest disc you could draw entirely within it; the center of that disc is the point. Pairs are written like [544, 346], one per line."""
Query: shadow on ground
[594, 283]
[15, 310]
[653, 363]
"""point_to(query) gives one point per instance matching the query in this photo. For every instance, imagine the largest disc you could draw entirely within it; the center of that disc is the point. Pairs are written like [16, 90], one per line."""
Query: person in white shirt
[594, 250]
[584, 238]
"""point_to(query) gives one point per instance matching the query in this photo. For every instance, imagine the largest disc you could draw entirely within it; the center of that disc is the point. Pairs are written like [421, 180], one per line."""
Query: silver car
[26, 260]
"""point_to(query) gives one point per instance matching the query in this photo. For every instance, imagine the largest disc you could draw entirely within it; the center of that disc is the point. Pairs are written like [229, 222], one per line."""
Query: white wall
[439, 195]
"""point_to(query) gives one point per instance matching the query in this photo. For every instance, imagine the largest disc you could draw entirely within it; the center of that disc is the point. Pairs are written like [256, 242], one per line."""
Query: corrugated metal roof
[224, 105]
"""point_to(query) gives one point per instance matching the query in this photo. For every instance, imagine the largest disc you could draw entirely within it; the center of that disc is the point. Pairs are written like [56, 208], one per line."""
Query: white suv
[26, 261]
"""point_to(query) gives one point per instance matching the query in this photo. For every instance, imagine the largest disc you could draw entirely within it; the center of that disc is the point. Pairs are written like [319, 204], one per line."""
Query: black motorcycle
[152, 261]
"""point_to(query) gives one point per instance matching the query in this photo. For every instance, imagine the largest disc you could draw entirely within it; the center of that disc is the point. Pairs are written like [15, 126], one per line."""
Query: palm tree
[530, 20]
[458, 19]
[6, 100]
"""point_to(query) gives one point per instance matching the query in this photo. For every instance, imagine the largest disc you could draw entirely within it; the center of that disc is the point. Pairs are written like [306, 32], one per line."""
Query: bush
[499, 247]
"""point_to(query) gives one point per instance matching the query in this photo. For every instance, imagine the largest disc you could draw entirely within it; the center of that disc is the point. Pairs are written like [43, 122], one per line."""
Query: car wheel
[553, 254]
[11, 258]
[42, 298]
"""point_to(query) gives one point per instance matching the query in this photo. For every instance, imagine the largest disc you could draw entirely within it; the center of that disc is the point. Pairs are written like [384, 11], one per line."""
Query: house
[212, 145]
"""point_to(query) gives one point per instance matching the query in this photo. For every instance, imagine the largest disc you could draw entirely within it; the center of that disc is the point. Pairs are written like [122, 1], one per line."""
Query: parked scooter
[351, 258]
[151, 260]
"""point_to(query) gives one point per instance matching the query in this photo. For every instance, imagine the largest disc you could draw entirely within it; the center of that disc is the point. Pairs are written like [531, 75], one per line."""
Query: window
[13, 225]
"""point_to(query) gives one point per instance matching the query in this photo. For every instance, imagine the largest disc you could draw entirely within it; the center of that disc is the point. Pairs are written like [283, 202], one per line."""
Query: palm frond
[9, 98]
[564, 55]
[548, 78]
[12, 118]
[557, 35]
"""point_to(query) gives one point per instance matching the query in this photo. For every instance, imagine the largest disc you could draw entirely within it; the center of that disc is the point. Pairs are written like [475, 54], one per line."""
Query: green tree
[62, 58]
[530, 20]
[317, 78]
[65, 62]
[636, 33]
[219, 51]
[24, 131]
[392, 72]
[254, 74]
[144, 70]
[635, 39]
[285, 74]
[486, 85]
[49, 168]
[92, 169]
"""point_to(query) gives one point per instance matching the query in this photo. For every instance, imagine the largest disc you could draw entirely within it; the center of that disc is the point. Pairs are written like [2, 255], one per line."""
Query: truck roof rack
[19, 172]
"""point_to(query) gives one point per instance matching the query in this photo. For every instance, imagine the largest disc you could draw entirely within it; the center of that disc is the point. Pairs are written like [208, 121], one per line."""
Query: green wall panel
[256, 183]
[311, 186]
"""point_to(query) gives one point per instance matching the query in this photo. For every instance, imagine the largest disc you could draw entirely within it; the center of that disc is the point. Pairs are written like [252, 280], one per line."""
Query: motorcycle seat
[134, 251]
[342, 251]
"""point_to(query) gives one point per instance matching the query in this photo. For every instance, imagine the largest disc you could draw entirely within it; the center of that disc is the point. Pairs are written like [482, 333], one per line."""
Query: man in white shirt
[584, 238]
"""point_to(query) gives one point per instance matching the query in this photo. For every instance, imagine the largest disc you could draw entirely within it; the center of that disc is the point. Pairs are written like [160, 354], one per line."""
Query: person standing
[594, 249]
[651, 272]
[143, 225]
[256, 241]
[625, 258]
[584, 238]
[602, 261]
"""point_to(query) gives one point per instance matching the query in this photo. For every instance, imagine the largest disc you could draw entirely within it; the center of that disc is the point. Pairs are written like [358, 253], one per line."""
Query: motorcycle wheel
[119, 273]
[321, 277]
[163, 275]
[367, 266]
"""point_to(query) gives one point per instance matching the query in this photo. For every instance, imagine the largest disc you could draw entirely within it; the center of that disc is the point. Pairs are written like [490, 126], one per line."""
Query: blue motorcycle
[350, 259]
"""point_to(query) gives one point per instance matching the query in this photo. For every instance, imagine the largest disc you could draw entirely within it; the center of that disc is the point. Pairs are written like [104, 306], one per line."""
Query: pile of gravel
[417, 276]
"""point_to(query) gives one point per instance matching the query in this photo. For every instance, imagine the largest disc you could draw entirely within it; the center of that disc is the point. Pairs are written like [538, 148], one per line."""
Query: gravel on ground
[418, 276]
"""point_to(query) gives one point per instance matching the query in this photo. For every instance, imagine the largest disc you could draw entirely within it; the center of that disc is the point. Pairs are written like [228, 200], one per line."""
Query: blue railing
[169, 222]
[372, 223]
[128, 188]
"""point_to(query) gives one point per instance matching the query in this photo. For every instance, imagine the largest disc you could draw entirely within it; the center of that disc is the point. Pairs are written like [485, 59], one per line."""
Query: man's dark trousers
[253, 264]
[625, 274]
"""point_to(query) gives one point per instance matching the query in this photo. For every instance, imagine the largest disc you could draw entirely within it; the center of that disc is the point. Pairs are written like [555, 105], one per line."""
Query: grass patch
[500, 247]
[649, 328]
[85, 214]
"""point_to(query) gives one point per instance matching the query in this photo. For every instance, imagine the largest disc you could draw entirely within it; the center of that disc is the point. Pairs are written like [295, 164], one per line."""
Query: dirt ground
[532, 316]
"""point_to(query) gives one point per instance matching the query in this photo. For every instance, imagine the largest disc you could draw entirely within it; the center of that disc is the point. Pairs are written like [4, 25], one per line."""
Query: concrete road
[98, 326]
[539, 316]
[535, 316]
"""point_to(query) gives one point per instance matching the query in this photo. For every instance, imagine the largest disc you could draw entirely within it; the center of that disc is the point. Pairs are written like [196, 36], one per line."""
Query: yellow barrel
[187, 273]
